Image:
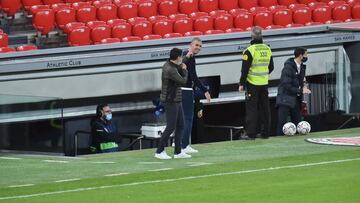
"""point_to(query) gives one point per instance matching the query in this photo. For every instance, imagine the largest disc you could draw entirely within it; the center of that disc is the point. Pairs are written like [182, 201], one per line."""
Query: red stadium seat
[106, 12]
[59, 6]
[110, 40]
[314, 5]
[135, 20]
[294, 25]
[227, 5]
[154, 19]
[223, 22]
[192, 33]
[256, 10]
[188, 6]
[247, 4]
[282, 17]
[147, 9]
[6, 49]
[36, 8]
[121, 30]
[4, 40]
[28, 47]
[99, 33]
[79, 37]
[263, 19]
[355, 11]
[162, 27]
[214, 32]
[28, 3]
[272, 27]
[44, 21]
[95, 23]
[293, 7]
[114, 22]
[172, 35]
[71, 26]
[86, 14]
[321, 14]
[302, 16]
[78, 5]
[234, 30]
[325, 1]
[50, 2]
[168, 7]
[218, 13]
[141, 29]
[237, 11]
[268, 3]
[73, 1]
[244, 21]
[203, 24]
[208, 5]
[131, 39]
[99, 3]
[274, 9]
[341, 12]
[198, 15]
[306, 1]
[352, 2]
[127, 10]
[287, 2]
[178, 16]
[313, 23]
[333, 4]
[183, 25]
[65, 16]
[152, 37]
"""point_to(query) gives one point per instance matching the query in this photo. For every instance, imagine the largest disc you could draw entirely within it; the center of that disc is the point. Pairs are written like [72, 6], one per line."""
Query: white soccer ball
[289, 128]
[303, 127]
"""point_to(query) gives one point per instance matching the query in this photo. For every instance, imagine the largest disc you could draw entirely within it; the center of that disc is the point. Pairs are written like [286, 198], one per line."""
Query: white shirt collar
[298, 65]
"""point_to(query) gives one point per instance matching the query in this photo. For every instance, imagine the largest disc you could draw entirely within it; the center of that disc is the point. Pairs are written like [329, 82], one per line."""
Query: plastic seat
[6, 49]
[237, 11]
[247, 4]
[79, 37]
[223, 22]
[325, 1]
[198, 15]
[114, 22]
[127, 10]
[135, 20]
[192, 33]
[131, 39]
[313, 23]
[321, 14]
[234, 30]
[218, 13]
[334, 4]
[168, 7]
[73, 1]
[255, 10]
[4, 40]
[99, 33]
[227, 5]
[28, 3]
[214, 32]
[293, 25]
[154, 19]
[28, 47]
[272, 27]
[172, 35]
[352, 2]
[141, 29]
[147, 9]
[65, 16]
[183, 25]
[306, 1]
[44, 21]
[71, 26]
[152, 37]
[263, 19]
[268, 3]
[203, 24]
[282, 17]
[99, 3]
[293, 7]
[274, 9]
[50, 2]
[355, 11]
[244, 21]
[59, 6]
[188, 6]
[162, 27]
[95, 23]
[110, 40]
[121, 30]
[341, 12]
[208, 5]
[86, 14]
[314, 5]
[37, 8]
[106, 12]
[287, 2]
[78, 5]
[302, 16]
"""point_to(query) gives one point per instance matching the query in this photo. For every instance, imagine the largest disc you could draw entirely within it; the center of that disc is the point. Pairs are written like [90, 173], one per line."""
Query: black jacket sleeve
[286, 79]
[271, 65]
[246, 64]
[178, 78]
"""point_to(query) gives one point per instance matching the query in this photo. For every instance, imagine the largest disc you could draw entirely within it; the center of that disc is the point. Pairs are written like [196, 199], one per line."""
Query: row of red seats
[28, 47]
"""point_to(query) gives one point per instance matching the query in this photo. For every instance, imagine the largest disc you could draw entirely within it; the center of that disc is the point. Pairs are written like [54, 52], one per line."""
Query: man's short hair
[299, 51]
[175, 53]
[196, 39]
[99, 108]
[256, 32]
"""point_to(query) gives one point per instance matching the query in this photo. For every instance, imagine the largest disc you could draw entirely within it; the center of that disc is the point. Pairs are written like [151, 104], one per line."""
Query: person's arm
[271, 65]
[103, 136]
[286, 80]
[177, 77]
[245, 67]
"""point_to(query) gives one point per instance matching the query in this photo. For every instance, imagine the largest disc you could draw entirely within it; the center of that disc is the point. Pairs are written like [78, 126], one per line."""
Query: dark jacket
[291, 84]
[103, 131]
[192, 79]
[173, 78]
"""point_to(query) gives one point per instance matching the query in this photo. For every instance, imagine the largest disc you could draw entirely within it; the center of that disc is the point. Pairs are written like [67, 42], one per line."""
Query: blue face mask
[108, 116]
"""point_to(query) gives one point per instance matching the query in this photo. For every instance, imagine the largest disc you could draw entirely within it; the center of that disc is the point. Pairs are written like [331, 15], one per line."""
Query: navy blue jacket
[103, 131]
[193, 79]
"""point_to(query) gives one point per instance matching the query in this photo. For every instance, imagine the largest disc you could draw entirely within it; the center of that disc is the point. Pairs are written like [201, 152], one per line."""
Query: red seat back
[203, 24]
[147, 9]
[163, 27]
[86, 14]
[106, 12]
[79, 37]
[168, 7]
[321, 14]
[99, 33]
[65, 16]
[141, 29]
[4, 40]
[268, 3]
[208, 5]
[44, 21]
[283, 17]
[127, 10]
[244, 21]
[183, 25]
[247, 4]
[341, 12]
[263, 19]
[223, 22]
[302, 16]
[121, 30]
[28, 3]
[152, 37]
[227, 5]
[188, 6]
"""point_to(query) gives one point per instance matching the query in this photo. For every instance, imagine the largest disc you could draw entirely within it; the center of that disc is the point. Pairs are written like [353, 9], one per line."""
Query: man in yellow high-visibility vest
[257, 64]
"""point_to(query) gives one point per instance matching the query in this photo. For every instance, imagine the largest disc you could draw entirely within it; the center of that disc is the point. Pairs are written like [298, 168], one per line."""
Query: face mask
[108, 116]
[304, 59]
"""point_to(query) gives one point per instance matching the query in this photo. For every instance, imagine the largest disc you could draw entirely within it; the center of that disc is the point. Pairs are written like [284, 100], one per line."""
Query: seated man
[104, 133]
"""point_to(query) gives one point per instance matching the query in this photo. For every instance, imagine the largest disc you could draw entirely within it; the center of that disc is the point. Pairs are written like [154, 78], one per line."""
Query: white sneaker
[189, 150]
[162, 155]
[182, 155]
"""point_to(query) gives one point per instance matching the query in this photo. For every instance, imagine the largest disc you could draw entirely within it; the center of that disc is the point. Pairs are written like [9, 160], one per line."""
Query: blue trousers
[188, 108]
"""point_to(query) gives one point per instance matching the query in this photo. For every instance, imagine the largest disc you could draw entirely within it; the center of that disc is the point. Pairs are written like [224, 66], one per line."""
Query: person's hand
[183, 66]
[208, 96]
[241, 88]
[306, 90]
[189, 54]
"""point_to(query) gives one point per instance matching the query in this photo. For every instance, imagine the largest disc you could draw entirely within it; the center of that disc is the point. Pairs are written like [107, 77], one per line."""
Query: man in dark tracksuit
[173, 78]
[257, 64]
[291, 89]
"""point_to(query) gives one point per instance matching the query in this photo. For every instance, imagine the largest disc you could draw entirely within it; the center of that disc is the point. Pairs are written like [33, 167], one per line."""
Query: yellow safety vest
[259, 70]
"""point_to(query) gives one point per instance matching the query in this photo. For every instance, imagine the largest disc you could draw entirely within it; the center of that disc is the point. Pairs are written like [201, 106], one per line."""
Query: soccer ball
[303, 127]
[289, 128]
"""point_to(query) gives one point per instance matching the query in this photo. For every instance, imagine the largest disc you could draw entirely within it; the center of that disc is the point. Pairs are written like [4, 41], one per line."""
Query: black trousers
[174, 122]
[257, 111]
[284, 112]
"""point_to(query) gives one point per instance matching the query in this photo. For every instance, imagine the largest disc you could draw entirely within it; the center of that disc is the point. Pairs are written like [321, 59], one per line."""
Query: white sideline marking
[155, 162]
[25, 185]
[67, 180]
[160, 169]
[116, 174]
[179, 179]
[103, 162]
[200, 164]
[56, 161]
[9, 158]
